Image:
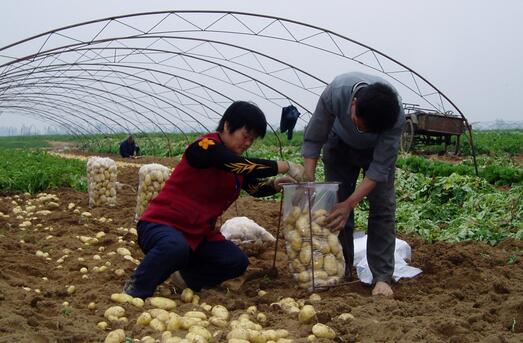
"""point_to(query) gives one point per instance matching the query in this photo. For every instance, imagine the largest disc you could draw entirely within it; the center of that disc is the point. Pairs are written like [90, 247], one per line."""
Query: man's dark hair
[244, 114]
[378, 106]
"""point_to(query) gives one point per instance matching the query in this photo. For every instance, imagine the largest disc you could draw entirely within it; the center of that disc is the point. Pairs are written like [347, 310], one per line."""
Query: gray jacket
[332, 113]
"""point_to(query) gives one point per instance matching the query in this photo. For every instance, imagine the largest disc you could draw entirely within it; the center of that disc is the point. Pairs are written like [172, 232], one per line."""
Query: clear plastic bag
[101, 178]
[151, 177]
[314, 251]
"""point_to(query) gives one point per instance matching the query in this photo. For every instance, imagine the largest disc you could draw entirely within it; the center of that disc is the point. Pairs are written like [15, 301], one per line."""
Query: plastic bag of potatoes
[312, 249]
[152, 177]
[101, 177]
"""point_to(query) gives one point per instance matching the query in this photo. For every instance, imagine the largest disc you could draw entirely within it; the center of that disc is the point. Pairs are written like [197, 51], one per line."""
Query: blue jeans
[166, 251]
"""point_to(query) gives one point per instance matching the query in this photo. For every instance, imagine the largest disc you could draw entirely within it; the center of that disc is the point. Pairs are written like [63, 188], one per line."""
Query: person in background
[177, 232]
[128, 148]
[358, 121]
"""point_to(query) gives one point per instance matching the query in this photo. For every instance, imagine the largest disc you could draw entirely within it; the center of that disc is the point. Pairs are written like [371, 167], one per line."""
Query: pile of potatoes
[101, 176]
[165, 322]
[152, 177]
[311, 246]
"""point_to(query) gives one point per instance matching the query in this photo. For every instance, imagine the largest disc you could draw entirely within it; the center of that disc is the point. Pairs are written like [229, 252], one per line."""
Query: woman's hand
[295, 171]
[277, 182]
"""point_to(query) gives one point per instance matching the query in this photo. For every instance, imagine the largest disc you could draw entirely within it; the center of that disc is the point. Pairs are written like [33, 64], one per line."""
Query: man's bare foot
[382, 288]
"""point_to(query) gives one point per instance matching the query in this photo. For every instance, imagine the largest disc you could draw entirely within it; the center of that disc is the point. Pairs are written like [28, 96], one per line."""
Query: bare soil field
[468, 292]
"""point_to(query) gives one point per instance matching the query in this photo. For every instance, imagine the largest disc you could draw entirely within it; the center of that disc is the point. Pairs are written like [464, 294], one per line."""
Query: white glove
[295, 171]
[279, 180]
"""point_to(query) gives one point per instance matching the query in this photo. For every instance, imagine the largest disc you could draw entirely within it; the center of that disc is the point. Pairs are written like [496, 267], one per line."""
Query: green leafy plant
[67, 312]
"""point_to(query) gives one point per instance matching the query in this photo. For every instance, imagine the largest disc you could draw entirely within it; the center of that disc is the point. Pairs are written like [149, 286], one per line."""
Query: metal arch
[62, 121]
[46, 85]
[138, 90]
[235, 15]
[47, 115]
[59, 104]
[78, 47]
[52, 85]
[38, 98]
[207, 88]
[284, 96]
[240, 17]
[97, 95]
[125, 73]
[112, 93]
[211, 62]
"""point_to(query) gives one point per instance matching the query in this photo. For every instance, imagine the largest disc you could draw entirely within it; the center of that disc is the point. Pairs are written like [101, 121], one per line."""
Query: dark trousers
[166, 251]
[344, 164]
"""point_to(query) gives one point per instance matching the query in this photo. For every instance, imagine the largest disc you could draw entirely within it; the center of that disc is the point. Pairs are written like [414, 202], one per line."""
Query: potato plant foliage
[437, 199]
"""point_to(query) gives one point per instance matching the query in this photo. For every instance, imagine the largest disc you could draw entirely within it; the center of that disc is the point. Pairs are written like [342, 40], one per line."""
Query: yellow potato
[305, 254]
[330, 264]
[306, 313]
[174, 323]
[138, 302]
[334, 243]
[323, 331]
[218, 322]
[144, 319]
[201, 331]
[157, 324]
[238, 333]
[163, 303]
[158, 312]
[294, 240]
[187, 295]
[196, 314]
[114, 311]
[116, 336]
[121, 298]
[220, 311]
[296, 266]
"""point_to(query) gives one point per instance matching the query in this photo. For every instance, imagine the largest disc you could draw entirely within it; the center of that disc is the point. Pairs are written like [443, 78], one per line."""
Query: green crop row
[494, 142]
[37, 171]
[454, 208]
[494, 173]
[491, 142]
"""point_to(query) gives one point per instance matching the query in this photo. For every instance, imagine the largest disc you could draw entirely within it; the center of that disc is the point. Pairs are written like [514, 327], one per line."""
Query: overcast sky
[471, 50]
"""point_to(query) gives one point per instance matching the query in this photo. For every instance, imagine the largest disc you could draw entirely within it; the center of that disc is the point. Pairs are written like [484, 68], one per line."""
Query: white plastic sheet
[247, 234]
[244, 230]
[402, 256]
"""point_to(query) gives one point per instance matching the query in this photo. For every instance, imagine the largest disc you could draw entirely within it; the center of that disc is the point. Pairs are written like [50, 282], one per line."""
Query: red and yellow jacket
[206, 181]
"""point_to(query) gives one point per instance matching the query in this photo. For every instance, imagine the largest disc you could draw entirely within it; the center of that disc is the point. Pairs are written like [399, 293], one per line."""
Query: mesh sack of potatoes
[311, 247]
[101, 178]
[152, 177]
[247, 234]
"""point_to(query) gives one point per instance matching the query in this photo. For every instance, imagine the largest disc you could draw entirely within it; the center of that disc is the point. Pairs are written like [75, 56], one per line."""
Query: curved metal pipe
[282, 21]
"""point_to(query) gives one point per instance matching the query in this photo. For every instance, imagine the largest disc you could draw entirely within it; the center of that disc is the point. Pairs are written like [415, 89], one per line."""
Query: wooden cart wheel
[407, 136]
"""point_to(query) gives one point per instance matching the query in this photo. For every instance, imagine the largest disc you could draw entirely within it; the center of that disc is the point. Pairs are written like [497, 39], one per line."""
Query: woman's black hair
[378, 106]
[244, 114]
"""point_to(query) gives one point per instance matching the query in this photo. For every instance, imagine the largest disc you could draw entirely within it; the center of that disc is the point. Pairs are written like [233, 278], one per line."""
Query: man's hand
[309, 165]
[308, 177]
[295, 171]
[339, 215]
[279, 180]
